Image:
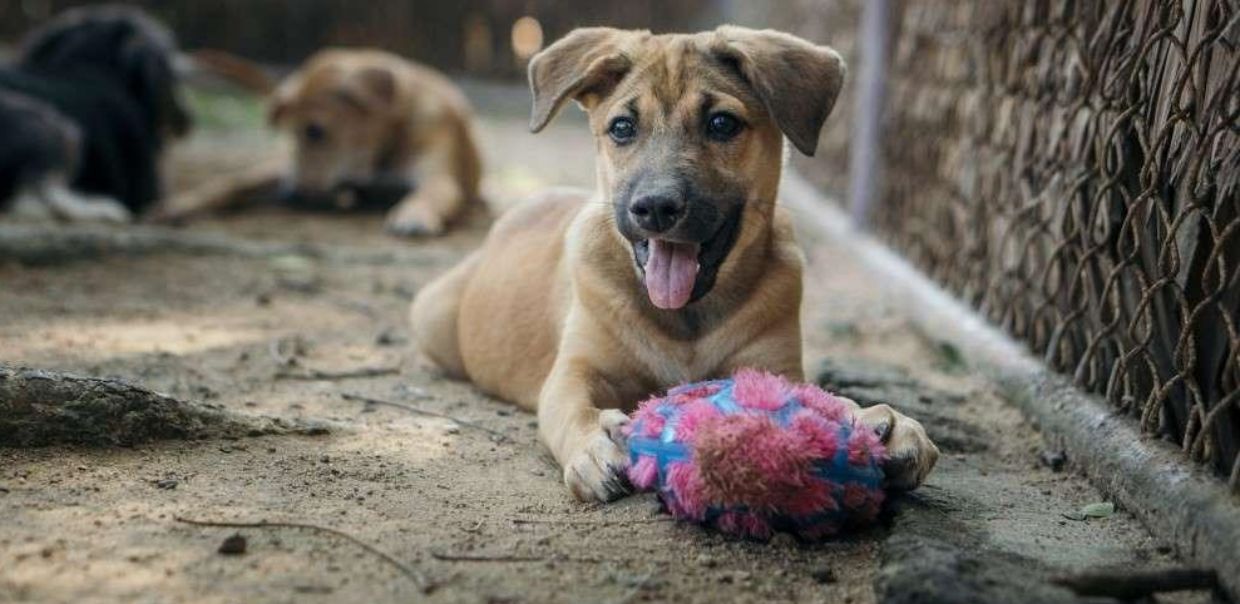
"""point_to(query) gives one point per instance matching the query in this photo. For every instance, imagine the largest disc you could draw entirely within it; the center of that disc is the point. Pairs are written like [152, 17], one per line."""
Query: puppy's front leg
[428, 209]
[246, 186]
[440, 194]
[578, 422]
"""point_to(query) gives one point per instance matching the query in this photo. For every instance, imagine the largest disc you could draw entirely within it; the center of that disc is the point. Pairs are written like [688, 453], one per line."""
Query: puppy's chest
[670, 362]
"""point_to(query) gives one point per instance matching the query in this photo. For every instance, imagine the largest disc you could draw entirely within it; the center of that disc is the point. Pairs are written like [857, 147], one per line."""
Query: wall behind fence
[1072, 169]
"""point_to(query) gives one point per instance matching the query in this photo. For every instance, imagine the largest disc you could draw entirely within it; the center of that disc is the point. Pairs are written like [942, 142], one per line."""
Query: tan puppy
[679, 268]
[361, 120]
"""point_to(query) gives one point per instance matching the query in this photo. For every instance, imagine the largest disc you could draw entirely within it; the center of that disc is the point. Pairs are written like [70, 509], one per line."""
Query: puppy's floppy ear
[155, 83]
[796, 80]
[377, 85]
[584, 65]
[282, 99]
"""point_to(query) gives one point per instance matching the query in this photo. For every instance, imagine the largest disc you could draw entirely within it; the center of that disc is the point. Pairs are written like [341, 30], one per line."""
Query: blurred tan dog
[361, 119]
[679, 268]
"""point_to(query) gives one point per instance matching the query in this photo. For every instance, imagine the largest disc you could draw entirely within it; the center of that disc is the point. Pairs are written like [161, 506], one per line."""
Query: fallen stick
[592, 522]
[486, 557]
[418, 579]
[419, 411]
[1131, 585]
[555, 557]
[345, 374]
[41, 408]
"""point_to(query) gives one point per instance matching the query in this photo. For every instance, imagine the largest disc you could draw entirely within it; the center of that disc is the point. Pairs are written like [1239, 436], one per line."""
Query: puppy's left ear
[797, 81]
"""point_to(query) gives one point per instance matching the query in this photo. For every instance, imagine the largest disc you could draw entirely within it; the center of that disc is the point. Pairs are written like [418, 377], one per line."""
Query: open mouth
[677, 274]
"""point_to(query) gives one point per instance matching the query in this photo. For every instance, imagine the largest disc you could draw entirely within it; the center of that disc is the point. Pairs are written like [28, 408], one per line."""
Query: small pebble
[783, 541]
[234, 545]
[388, 337]
[1054, 460]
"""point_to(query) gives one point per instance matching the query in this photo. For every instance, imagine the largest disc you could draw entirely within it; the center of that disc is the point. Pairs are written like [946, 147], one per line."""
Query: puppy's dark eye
[314, 133]
[622, 130]
[723, 126]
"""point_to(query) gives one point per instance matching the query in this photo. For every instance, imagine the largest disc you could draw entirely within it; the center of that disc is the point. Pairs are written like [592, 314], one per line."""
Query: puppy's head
[689, 130]
[125, 44]
[342, 112]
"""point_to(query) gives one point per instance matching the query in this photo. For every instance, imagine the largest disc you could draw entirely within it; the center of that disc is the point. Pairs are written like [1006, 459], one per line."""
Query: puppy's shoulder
[784, 240]
[546, 213]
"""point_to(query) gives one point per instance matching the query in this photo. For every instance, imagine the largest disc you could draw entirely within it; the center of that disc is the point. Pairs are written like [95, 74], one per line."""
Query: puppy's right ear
[282, 99]
[584, 65]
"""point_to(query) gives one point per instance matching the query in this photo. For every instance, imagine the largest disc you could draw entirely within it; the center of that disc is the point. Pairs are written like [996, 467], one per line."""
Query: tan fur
[551, 314]
[383, 116]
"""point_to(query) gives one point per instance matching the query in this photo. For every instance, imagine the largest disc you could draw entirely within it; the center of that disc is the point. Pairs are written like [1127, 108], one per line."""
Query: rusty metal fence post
[865, 165]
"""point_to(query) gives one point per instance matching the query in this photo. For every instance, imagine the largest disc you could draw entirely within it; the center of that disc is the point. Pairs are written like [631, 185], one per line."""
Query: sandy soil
[479, 517]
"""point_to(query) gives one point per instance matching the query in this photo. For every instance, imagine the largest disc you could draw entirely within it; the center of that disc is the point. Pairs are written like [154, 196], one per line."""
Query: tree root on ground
[42, 408]
[41, 245]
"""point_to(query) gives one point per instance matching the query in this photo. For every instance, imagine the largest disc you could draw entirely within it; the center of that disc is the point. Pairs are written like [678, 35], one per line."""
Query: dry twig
[344, 374]
[420, 411]
[557, 521]
[486, 557]
[418, 578]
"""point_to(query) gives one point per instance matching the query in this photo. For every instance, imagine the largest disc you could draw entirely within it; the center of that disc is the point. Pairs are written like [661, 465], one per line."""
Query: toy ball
[755, 454]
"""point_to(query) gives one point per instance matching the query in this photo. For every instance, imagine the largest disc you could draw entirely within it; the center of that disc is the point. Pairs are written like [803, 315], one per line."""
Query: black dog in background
[39, 150]
[105, 80]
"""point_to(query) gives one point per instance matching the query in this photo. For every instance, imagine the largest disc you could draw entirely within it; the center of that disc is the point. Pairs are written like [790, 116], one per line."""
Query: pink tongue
[671, 271]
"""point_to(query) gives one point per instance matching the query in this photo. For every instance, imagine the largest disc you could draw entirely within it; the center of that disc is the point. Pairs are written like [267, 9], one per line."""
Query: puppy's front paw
[910, 454]
[414, 220]
[94, 209]
[596, 472]
[114, 212]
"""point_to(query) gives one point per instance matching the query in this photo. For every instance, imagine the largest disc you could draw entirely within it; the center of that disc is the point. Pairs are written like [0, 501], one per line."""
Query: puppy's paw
[108, 210]
[597, 471]
[74, 208]
[910, 454]
[414, 220]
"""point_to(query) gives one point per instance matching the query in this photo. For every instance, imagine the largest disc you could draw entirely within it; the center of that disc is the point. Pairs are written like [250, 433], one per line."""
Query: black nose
[656, 213]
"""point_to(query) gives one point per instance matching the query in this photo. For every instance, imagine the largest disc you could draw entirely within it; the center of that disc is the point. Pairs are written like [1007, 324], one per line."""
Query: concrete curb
[1179, 503]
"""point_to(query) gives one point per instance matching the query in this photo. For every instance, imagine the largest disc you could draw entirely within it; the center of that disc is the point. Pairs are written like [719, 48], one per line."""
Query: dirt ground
[476, 509]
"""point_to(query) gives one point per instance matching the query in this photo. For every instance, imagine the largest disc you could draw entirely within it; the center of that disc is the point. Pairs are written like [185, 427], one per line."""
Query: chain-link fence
[1072, 169]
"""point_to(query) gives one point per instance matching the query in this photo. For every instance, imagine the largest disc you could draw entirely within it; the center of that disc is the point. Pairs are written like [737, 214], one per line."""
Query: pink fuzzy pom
[644, 473]
[759, 390]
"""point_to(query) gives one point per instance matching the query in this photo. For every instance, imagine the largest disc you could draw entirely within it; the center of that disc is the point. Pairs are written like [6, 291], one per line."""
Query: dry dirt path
[475, 509]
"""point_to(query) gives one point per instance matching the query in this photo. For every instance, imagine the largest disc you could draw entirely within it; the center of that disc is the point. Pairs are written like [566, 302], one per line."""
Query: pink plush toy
[754, 454]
